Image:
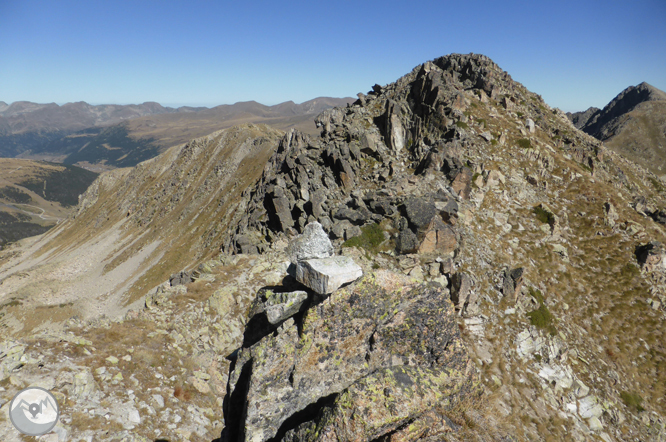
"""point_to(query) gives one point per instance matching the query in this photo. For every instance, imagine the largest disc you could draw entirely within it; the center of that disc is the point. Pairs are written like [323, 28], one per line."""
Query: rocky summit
[451, 259]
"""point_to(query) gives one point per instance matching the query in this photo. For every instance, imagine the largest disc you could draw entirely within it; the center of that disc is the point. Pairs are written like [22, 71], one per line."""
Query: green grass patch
[537, 295]
[520, 114]
[462, 124]
[371, 237]
[544, 215]
[524, 143]
[632, 400]
[541, 317]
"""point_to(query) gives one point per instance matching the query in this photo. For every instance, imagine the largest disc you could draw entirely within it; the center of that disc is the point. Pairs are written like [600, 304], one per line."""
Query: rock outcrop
[319, 377]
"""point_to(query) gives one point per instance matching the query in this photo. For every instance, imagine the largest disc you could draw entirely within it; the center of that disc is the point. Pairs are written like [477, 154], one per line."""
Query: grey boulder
[312, 243]
[326, 275]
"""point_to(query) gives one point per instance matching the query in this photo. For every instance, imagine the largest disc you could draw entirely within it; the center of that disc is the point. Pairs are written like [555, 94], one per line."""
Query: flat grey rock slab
[326, 275]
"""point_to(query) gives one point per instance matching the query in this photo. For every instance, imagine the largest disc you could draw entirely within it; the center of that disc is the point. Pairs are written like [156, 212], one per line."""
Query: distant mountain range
[124, 135]
[633, 124]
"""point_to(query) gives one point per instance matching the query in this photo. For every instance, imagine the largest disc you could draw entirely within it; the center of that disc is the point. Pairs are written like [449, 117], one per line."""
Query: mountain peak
[604, 124]
[652, 92]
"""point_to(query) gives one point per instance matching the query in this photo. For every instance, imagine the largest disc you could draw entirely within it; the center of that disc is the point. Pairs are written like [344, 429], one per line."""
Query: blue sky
[574, 53]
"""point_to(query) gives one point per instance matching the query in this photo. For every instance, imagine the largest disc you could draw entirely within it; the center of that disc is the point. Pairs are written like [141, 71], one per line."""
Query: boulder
[281, 208]
[610, 214]
[529, 124]
[180, 278]
[312, 243]
[462, 295]
[438, 238]
[419, 212]
[512, 282]
[407, 242]
[277, 306]
[651, 256]
[494, 178]
[245, 245]
[358, 216]
[462, 183]
[326, 275]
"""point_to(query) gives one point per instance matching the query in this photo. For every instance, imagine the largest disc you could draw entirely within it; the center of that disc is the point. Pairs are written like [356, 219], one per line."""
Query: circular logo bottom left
[34, 411]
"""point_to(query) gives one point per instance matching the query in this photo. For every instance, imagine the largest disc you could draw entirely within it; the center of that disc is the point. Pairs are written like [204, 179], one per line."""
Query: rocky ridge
[475, 180]
[504, 253]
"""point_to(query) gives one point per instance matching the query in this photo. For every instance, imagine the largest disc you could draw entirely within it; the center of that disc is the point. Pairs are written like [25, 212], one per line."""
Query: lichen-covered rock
[381, 339]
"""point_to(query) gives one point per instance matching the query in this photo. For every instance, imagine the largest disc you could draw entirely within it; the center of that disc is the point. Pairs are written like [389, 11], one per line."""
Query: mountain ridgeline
[109, 136]
[633, 124]
[513, 280]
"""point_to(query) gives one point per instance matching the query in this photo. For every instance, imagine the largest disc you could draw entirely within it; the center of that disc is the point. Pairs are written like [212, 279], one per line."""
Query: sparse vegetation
[63, 186]
[541, 317]
[543, 215]
[372, 236]
[524, 143]
[658, 186]
[632, 400]
[14, 195]
[462, 124]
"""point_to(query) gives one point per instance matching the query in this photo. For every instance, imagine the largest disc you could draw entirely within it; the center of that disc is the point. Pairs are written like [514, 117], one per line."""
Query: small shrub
[544, 215]
[541, 317]
[481, 122]
[370, 238]
[524, 143]
[462, 124]
[632, 400]
[493, 142]
[520, 114]
[181, 394]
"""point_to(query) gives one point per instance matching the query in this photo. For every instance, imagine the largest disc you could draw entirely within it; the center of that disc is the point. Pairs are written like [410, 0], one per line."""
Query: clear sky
[575, 54]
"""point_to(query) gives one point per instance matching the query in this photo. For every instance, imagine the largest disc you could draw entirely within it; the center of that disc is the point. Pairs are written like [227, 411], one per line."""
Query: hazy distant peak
[580, 119]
